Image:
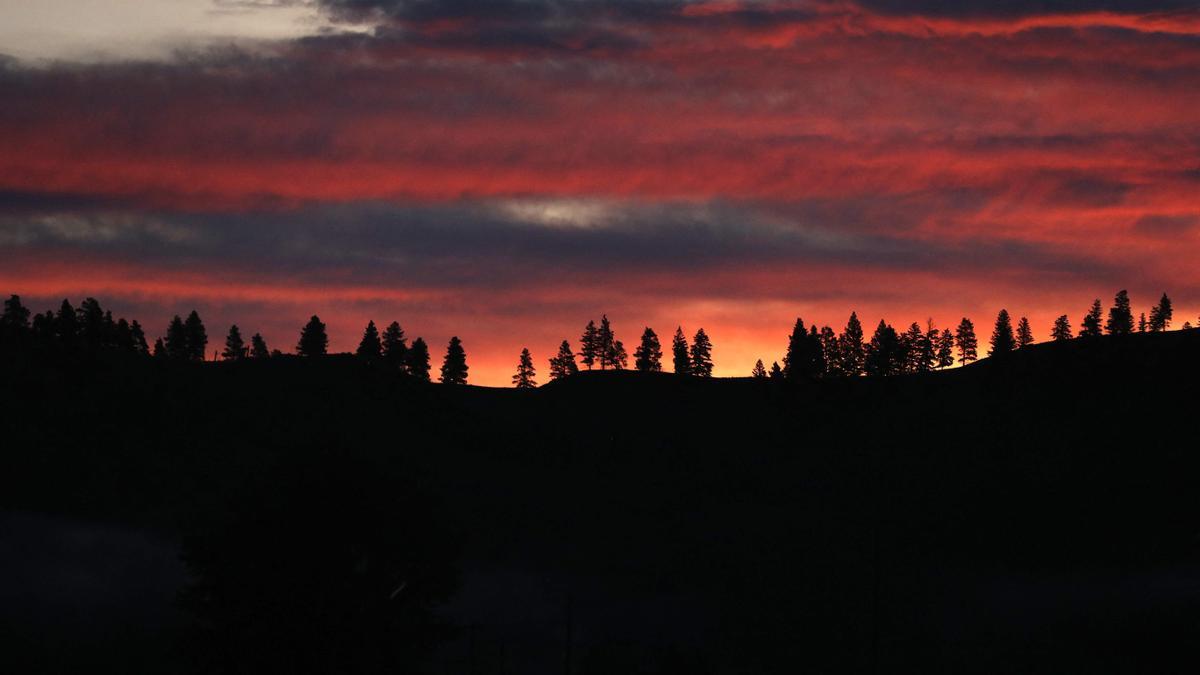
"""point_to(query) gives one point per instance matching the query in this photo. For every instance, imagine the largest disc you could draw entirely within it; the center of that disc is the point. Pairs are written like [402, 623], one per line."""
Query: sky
[506, 170]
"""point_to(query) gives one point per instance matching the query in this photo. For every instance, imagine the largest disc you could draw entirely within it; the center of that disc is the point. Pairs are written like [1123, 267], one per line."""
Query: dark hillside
[1035, 513]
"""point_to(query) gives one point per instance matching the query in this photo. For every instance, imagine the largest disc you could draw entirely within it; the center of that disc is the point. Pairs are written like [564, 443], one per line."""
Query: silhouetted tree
[123, 336]
[394, 346]
[851, 349]
[138, 337]
[16, 315]
[647, 358]
[620, 359]
[90, 321]
[258, 347]
[160, 350]
[176, 342]
[831, 351]
[945, 349]
[1120, 316]
[968, 345]
[454, 367]
[235, 348]
[1002, 335]
[313, 339]
[563, 364]
[606, 345]
[803, 357]
[776, 372]
[884, 353]
[66, 325]
[1187, 325]
[1091, 325]
[702, 365]
[1141, 325]
[369, 347]
[1024, 333]
[817, 351]
[759, 372]
[197, 338]
[416, 360]
[680, 356]
[1161, 314]
[524, 378]
[1062, 329]
[918, 350]
[589, 345]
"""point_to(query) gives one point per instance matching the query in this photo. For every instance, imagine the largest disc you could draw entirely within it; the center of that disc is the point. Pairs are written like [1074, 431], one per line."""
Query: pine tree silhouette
[160, 350]
[797, 360]
[1024, 333]
[1120, 316]
[258, 347]
[314, 341]
[525, 376]
[759, 372]
[968, 344]
[1002, 340]
[416, 360]
[885, 355]
[16, 315]
[701, 353]
[647, 358]
[606, 344]
[123, 336]
[195, 336]
[66, 325]
[945, 349]
[680, 356]
[776, 372]
[138, 337]
[851, 349]
[177, 342]
[589, 345]
[831, 350]
[617, 356]
[90, 321]
[1062, 329]
[235, 349]
[1141, 325]
[394, 346]
[454, 366]
[369, 347]
[1161, 314]
[918, 352]
[1091, 325]
[563, 363]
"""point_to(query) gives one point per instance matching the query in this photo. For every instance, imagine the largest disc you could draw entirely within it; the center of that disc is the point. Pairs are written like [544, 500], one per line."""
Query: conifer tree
[16, 316]
[759, 372]
[525, 376]
[885, 355]
[1141, 325]
[968, 345]
[680, 355]
[138, 337]
[394, 346]
[160, 350]
[589, 345]
[90, 321]
[647, 358]
[1062, 329]
[1091, 324]
[617, 356]
[416, 360]
[454, 366]
[369, 347]
[918, 353]
[606, 344]
[831, 350]
[123, 336]
[1002, 335]
[1161, 314]
[945, 349]
[776, 372]
[196, 337]
[563, 364]
[816, 353]
[258, 347]
[851, 348]
[176, 342]
[1024, 333]
[804, 357]
[1120, 316]
[66, 325]
[235, 349]
[701, 353]
[313, 339]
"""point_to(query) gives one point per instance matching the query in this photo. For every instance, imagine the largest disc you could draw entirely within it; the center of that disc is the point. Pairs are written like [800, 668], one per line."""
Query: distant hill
[1031, 513]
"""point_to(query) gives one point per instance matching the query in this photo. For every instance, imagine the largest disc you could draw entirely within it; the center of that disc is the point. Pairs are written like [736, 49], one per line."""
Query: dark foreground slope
[1031, 514]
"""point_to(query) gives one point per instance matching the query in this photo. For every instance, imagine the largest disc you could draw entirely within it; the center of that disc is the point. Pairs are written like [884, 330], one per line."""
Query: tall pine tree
[454, 366]
[176, 345]
[945, 349]
[681, 357]
[1002, 335]
[1120, 315]
[313, 339]
[416, 360]
[563, 364]
[589, 345]
[701, 353]
[1024, 333]
[258, 347]
[370, 347]
[197, 338]
[759, 372]
[968, 344]
[647, 358]
[1091, 325]
[235, 348]
[394, 347]
[1161, 315]
[1062, 329]
[525, 378]
[851, 347]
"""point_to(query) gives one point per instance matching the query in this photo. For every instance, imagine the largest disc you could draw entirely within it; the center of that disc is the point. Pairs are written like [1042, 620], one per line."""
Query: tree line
[811, 351]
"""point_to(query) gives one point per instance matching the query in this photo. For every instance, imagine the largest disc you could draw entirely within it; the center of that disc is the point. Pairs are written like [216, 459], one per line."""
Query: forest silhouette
[858, 505]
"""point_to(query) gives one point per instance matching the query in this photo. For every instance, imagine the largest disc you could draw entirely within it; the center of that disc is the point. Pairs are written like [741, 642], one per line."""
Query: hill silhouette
[1031, 512]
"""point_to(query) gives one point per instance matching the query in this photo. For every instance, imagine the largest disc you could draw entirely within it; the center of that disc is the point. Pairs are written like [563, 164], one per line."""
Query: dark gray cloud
[1166, 225]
